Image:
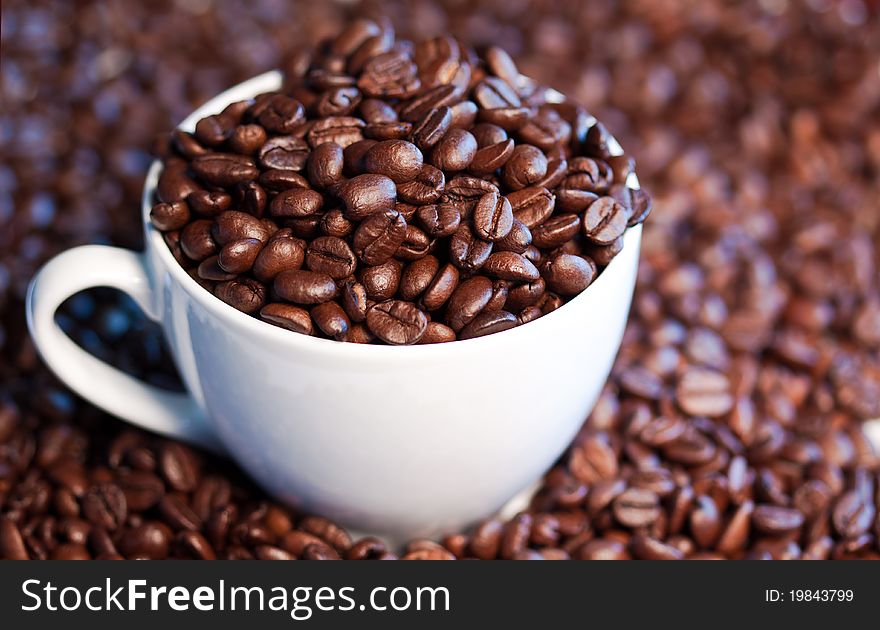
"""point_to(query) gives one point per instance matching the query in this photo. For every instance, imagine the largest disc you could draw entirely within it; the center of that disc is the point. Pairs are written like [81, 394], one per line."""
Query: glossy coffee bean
[281, 253]
[331, 319]
[397, 322]
[305, 287]
[239, 256]
[288, 316]
[417, 276]
[438, 220]
[325, 165]
[332, 256]
[399, 160]
[170, 216]
[469, 298]
[487, 323]
[454, 151]
[604, 221]
[567, 274]
[526, 165]
[379, 236]
[367, 194]
[245, 294]
[381, 281]
[492, 217]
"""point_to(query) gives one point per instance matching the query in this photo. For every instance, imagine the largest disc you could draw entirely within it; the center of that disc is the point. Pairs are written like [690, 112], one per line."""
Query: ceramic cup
[399, 441]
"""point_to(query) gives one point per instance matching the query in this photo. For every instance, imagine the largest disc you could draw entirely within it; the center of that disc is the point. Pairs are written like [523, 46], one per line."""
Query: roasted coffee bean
[209, 203]
[305, 287]
[441, 288]
[531, 206]
[224, 169]
[174, 184]
[454, 151]
[492, 217]
[487, 323]
[466, 251]
[438, 221]
[284, 153]
[367, 194]
[545, 130]
[435, 98]
[247, 139]
[495, 93]
[775, 520]
[636, 507]
[523, 295]
[431, 127]
[604, 221]
[491, 158]
[325, 165]
[437, 333]
[381, 281]
[467, 301]
[170, 216]
[556, 231]
[526, 165]
[104, 505]
[337, 101]
[487, 134]
[465, 191]
[196, 240]
[354, 300]
[852, 515]
[331, 319]
[374, 110]
[296, 203]
[142, 489]
[397, 322]
[390, 75]
[331, 256]
[150, 540]
[235, 226]
[426, 188]
[179, 467]
[567, 274]
[510, 266]
[399, 160]
[415, 245]
[289, 317]
[281, 253]
[704, 392]
[379, 236]
[517, 240]
[280, 114]
[417, 276]
[244, 294]
[239, 256]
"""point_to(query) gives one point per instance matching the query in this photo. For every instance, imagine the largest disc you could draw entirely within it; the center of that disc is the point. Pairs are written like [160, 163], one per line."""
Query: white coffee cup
[399, 441]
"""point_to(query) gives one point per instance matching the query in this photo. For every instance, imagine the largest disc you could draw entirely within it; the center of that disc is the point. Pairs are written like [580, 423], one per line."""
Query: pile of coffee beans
[396, 192]
[732, 425]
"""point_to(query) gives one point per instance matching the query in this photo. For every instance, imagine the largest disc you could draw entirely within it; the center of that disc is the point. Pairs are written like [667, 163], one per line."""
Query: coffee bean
[438, 221]
[467, 301]
[104, 505]
[466, 251]
[305, 287]
[150, 540]
[454, 151]
[332, 256]
[295, 203]
[247, 139]
[492, 217]
[852, 515]
[235, 226]
[281, 253]
[636, 507]
[431, 127]
[604, 221]
[239, 256]
[488, 323]
[367, 194]
[437, 333]
[289, 317]
[775, 520]
[170, 216]
[244, 294]
[495, 93]
[426, 188]
[142, 490]
[567, 274]
[399, 160]
[281, 114]
[374, 110]
[397, 322]
[417, 276]
[511, 266]
[224, 169]
[526, 165]
[174, 184]
[284, 153]
[196, 240]
[331, 319]
[491, 158]
[415, 245]
[531, 206]
[378, 236]
[441, 287]
[704, 392]
[325, 165]
[556, 231]
[381, 281]
[179, 467]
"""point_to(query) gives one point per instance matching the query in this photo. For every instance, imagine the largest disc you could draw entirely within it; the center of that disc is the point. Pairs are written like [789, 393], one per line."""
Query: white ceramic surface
[400, 441]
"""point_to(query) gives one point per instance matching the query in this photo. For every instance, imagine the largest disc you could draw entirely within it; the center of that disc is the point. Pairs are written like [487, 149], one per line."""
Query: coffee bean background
[732, 424]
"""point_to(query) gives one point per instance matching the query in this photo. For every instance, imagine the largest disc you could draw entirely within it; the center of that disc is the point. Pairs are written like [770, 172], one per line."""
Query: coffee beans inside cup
[376, 199]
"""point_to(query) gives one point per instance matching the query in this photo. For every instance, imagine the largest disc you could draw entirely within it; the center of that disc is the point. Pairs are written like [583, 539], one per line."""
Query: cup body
[400, 441]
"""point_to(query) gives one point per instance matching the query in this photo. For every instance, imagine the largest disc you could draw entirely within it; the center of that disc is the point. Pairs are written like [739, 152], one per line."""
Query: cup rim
[270, 81]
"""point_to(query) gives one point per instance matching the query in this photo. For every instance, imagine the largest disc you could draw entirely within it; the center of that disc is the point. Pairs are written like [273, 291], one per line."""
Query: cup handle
[152, 408]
